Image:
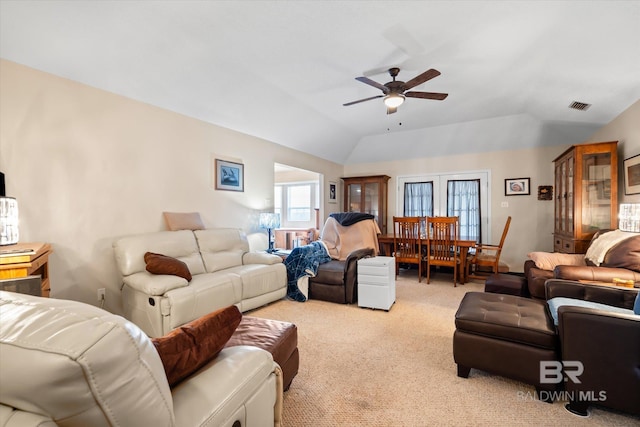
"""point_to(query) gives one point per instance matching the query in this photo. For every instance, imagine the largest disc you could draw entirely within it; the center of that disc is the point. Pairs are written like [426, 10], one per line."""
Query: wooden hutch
[586, 181]
[367, 194]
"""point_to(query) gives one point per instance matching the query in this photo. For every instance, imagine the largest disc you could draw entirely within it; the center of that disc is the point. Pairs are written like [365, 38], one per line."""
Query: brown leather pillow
[625, 254]
[188, 348]
[162, 264]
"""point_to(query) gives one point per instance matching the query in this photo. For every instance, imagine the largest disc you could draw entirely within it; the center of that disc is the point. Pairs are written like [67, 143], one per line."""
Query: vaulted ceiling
[281, 70]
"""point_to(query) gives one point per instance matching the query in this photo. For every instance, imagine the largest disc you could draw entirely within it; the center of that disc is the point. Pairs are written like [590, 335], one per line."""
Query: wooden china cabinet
[586, 200]
[367, 194]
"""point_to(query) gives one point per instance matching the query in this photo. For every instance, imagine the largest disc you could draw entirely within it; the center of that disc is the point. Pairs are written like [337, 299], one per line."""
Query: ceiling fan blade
[427, 75]
[367, 80]
[427, 95]
[362, 100]
[391, 110]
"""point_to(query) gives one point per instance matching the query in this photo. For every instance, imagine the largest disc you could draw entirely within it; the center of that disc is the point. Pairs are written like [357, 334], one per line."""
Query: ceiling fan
[394, 92]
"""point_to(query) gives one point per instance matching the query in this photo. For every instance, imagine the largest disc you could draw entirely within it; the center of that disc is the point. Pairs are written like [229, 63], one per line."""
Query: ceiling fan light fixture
[393, 100]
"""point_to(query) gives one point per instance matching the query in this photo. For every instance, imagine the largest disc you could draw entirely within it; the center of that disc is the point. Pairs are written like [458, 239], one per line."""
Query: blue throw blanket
[303, 261]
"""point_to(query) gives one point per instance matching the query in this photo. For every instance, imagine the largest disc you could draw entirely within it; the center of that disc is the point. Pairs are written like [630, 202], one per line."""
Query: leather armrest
[260, 258]
[154, 284]
[610, 295]
[596, 274]
[354, 256]
[536, 277]
[610, 367]
[351, 272]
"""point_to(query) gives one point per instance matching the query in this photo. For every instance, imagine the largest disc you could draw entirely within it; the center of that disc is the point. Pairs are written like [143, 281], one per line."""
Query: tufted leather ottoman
[504, 334]
[278, 338]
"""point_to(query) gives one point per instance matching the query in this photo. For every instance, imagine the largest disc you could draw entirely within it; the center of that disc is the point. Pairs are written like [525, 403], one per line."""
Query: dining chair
[407, 246]
[486, 256]
[442, 244]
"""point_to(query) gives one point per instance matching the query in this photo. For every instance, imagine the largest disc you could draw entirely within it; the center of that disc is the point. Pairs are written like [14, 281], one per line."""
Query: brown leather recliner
[622, 261]
[348, 237]
[606, 343]
[337, 281]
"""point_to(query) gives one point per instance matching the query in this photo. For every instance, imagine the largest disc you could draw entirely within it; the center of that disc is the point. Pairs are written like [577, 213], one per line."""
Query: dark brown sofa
[606, 343]
[337, 281]
[622, 261]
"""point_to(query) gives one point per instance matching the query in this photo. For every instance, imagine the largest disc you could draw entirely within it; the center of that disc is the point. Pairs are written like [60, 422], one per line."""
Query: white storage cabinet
[377, 282]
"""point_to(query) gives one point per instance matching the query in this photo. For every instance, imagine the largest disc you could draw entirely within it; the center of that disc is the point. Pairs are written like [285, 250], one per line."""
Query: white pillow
[549, 261]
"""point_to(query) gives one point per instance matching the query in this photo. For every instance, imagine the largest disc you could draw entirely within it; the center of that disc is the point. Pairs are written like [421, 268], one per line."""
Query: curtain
[463, 201]
[418, 198]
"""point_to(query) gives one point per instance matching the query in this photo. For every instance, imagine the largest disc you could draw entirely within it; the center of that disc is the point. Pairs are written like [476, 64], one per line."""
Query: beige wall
[626, 130]
[88, 166]
[530, 228]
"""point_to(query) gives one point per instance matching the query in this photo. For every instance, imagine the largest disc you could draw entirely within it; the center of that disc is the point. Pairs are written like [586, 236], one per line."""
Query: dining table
[385, 241]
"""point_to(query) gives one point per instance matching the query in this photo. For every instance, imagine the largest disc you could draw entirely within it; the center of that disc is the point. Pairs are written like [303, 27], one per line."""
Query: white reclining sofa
[66, 363]
[224, 272]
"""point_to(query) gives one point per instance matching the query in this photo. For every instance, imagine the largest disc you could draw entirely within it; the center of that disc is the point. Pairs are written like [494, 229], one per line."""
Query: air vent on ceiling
[579, 106]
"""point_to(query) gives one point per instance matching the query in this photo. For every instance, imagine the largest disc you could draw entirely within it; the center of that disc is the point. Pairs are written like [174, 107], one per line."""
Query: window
[458, 195]
[295, 202]
[418, 199]
[463, 201]
[299, 202]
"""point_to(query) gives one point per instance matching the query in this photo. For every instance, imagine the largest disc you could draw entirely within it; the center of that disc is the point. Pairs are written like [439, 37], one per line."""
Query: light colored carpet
[364, 367]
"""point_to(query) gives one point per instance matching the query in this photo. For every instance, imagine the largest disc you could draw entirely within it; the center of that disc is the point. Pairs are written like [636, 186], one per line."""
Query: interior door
[440, 182]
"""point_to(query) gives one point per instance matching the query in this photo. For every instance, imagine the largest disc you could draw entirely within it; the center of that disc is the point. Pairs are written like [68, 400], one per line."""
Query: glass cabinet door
[354, 198]
[570, 209]
[371, 198]
[596, 192]
[367, 194]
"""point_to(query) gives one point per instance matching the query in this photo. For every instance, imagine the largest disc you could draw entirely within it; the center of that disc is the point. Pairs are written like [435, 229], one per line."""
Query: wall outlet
[101, 294]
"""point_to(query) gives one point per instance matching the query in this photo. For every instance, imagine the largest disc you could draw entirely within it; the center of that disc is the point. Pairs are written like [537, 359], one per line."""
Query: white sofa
[70, 364]
[224, 272]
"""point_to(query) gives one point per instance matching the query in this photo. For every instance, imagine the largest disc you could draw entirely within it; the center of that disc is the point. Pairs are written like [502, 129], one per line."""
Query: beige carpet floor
[364, 367]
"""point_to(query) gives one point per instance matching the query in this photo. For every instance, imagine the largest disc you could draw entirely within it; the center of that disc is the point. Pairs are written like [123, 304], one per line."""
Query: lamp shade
[269, 220]
[8, 221]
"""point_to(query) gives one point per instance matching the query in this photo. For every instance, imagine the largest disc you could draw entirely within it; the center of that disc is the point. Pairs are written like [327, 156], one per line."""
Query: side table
[26, 259]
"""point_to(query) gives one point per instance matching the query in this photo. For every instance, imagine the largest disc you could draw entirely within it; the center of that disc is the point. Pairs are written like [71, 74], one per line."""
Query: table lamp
[8, 221]
[270, 221]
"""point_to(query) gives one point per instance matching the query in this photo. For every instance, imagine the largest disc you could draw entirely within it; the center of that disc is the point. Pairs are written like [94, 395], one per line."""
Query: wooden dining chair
[486, 256]
[407, 246]
[442, 245]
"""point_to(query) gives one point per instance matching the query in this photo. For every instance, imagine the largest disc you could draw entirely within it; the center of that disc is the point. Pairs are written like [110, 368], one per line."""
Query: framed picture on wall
[333, 192]
[517, 187]
[632, 175]
[229, 176]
